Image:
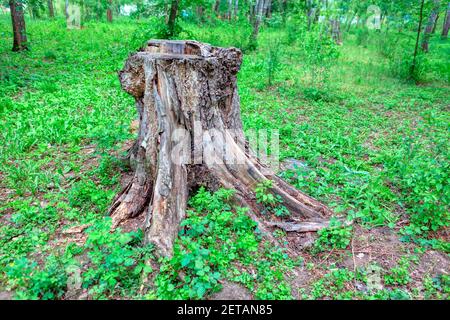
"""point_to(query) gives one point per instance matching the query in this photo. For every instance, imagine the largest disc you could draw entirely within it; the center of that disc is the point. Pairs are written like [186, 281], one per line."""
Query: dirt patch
[377, 245]
[6, 295]
[232, 291]
[432, 263]
[369, 247]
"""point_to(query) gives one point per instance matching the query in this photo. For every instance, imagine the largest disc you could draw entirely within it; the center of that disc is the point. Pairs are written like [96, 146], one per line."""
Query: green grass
[375, 147]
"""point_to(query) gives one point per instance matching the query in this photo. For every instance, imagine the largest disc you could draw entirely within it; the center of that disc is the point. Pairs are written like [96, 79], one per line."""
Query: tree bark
[166, 11]
[429, 28]
[419, 30]
[51, 10]
[191, 135]
[349, 22]
[446, 25]
[435, 24]
[171, 23]
[257, 13]
[236, 9]
[109, 11]
[268, 11]
[217, 7]
[336, 30]
[311, 17]
[66, 8]
[200, 11]
[18, 25]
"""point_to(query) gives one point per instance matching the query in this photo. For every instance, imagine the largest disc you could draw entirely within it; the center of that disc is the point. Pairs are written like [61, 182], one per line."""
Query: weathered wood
[191, 134]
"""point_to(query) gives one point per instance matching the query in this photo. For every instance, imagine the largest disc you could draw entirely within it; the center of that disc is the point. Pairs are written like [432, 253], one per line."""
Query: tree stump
[190, 134]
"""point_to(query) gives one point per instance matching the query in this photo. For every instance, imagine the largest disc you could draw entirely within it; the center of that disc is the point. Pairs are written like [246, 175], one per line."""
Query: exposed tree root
[305, 226]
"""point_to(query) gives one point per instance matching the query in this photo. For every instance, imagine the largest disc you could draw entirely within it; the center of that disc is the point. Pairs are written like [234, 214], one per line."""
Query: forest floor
[352, 135]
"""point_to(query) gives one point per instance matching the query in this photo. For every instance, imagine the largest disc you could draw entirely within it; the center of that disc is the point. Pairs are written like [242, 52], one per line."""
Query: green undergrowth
[364, 140]
[220, 242]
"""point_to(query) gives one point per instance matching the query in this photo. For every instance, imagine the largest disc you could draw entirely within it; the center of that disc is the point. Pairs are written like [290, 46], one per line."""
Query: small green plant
[116, 264]
[29, 281]
[273, 63]
[117, 261]
[320, 52]
[333, 285]
[215, 239]
[336, 236]
[437, 287]
[399, 275]
[272, 203]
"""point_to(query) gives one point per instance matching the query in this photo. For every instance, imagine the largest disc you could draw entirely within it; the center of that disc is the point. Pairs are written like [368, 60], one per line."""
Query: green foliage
[320, 53]
[272, 62]
[437, 287]
[371, 145]
[332, 285]
[272, 203]
[116, 261]
[399, 275]
[220, 33]
[362, 37]
[395, 49]
[335, 236]
[215, 239]
[86, 194]
[31, 282]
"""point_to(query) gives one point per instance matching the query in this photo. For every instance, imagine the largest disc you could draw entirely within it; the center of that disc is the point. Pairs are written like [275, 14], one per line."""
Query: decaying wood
[306, 226]
[190, 87]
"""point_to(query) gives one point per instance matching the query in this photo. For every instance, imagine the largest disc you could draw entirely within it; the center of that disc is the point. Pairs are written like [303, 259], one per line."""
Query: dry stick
[326, 258]
[353, 256]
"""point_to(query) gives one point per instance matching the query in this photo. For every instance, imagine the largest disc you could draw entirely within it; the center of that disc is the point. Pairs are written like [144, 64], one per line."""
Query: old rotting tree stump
[190, 134]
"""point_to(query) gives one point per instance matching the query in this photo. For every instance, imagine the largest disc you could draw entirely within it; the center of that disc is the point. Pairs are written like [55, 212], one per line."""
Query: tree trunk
[256, 17]
[18, 24]
[349, 22]
[51, 10]
[217, 7]
[172, 18]
[191, 135]
[309, 12]
[435, 24]
[268, 11]
[430, 24]
[109, 12]
[419, 30]
[66, 8]
[166, 11]
[446, 25]
[336, 30]
[200, 11]
[230, 9]
[236, 9]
